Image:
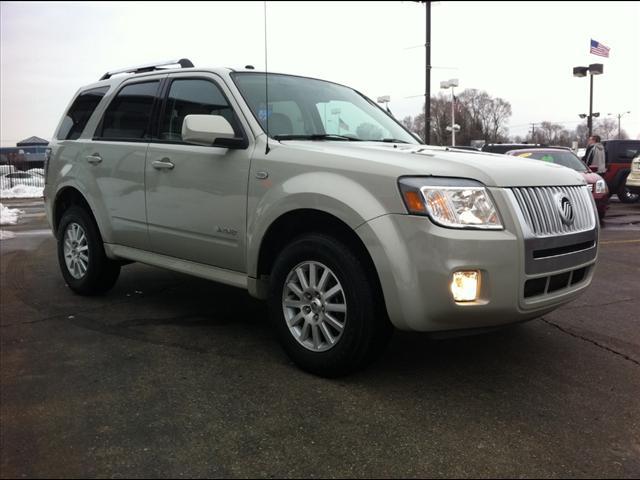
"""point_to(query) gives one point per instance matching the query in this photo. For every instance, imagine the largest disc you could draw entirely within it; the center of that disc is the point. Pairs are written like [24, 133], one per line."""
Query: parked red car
[567, 158]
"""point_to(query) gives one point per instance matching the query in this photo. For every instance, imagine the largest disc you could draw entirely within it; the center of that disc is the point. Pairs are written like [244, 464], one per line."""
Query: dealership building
[29, 153]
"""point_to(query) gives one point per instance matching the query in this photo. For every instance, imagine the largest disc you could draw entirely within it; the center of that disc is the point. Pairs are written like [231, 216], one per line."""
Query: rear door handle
[94, 159]
[164, 164]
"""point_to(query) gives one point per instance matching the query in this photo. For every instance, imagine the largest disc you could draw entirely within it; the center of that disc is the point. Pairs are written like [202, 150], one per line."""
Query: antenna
[266, 78]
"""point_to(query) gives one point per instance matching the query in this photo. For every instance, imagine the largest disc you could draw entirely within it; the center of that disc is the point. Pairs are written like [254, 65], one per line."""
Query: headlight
[601, 186]
[450, 202]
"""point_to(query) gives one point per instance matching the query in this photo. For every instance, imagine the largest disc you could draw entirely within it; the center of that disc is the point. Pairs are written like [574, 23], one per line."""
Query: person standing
[594, 156]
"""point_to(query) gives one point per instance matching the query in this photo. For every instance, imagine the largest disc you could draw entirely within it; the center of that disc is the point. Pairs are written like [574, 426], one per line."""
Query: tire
[624, 195]
[83, 263]
[366, 329]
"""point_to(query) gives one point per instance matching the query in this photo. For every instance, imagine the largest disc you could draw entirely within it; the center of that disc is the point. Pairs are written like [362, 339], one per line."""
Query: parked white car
[10, 180]
[633, 180]
[36, 171]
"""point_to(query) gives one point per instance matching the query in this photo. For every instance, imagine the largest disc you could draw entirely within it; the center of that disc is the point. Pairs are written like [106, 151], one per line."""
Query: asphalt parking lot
[171, 376]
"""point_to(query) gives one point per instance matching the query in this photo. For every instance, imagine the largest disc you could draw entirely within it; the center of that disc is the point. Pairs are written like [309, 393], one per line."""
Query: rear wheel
[327, 312]
[81, 256]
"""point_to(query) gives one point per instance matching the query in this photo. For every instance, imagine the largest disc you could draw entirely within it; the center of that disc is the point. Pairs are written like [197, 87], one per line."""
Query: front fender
[327, 192]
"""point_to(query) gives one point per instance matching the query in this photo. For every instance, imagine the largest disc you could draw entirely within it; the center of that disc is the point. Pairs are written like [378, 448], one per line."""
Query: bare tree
[607, 128]
[550, 133]
[480, 116]
[488, 114]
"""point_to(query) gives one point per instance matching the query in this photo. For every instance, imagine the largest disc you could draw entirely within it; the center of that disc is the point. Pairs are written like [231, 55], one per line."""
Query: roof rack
[150, 67]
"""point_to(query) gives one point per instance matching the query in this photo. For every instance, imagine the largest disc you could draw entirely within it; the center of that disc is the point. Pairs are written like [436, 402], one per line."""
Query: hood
[591, 177]
[493, 170]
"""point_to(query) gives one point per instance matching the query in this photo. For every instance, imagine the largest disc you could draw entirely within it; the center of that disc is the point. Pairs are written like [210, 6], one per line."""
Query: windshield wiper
[316, 136]
[389, 140]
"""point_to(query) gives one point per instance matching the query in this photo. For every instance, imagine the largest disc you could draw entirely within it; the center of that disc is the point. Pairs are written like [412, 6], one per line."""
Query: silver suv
[308, 195]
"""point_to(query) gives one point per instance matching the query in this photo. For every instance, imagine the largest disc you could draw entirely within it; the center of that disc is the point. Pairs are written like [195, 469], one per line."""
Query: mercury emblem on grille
[565, 208]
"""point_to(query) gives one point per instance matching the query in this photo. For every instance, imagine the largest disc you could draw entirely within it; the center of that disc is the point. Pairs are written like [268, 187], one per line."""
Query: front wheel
[327, 312]
[83, 263]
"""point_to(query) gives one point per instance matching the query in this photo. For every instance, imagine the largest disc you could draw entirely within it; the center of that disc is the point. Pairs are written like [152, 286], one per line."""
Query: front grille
[545, 285]
[542, 215]
[554, 252]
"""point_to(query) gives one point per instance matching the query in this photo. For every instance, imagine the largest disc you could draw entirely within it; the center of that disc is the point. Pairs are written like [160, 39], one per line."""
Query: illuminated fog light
[464, 286]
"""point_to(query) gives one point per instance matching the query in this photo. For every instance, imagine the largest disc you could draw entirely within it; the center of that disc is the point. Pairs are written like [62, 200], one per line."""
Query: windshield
[561, 157]
[305, 108]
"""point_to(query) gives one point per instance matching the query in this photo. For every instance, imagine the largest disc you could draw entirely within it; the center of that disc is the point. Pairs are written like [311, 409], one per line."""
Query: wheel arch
[298, 222]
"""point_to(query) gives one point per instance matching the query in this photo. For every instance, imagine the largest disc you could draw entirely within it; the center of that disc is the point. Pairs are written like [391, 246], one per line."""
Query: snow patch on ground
[9, 216]
[21, 191]
[6, 235]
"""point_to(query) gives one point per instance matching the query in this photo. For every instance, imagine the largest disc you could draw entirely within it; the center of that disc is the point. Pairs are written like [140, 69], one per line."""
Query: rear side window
[80, 112]
[193, 97]
[128, 115]
[621, 152]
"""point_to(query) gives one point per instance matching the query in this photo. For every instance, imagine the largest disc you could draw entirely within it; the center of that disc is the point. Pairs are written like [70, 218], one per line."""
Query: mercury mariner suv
[310, 196]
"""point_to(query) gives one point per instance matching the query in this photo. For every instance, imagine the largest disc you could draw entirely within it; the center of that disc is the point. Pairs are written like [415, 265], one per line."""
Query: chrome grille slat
[541, 214]
[548, 199]
[520, 200]
[532, 211]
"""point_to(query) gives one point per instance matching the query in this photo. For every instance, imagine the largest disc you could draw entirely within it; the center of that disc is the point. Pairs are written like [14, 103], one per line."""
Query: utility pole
[533, 131]
[619, 115]
[427, 86]
[427, 77]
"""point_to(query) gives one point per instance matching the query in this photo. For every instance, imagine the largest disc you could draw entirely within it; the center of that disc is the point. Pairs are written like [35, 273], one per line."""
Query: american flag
[598, 49]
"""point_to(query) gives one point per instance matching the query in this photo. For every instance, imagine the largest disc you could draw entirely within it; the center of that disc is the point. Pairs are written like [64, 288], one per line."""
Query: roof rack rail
[150, 67]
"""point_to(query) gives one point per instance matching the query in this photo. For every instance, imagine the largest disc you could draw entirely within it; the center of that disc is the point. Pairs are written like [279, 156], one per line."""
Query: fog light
[464, 286]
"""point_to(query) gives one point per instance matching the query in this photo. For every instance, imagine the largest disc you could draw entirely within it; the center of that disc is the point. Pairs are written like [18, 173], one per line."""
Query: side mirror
[209, 130]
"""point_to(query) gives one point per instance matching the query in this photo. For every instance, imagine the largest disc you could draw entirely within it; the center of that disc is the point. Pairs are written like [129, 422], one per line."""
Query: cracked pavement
[169, 376]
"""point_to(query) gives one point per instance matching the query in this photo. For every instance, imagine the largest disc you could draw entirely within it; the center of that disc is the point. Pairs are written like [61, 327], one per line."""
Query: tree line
[485, 118]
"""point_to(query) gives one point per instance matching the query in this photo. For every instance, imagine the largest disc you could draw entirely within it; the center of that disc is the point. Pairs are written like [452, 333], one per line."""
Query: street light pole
[593, 69]
[453, 118]
[450, 84]
[590, 119]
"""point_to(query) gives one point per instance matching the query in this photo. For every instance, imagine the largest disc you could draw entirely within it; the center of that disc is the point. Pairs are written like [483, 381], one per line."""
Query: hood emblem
[565, 208]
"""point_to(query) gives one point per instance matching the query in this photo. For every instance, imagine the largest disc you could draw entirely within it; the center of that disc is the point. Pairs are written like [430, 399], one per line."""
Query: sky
[523, 52]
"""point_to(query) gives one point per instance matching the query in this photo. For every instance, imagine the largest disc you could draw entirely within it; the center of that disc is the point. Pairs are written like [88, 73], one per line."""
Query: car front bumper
[416, 259]
[633, 182]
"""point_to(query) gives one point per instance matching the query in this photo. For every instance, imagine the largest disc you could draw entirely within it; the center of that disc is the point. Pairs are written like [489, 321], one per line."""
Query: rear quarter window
[79, 113]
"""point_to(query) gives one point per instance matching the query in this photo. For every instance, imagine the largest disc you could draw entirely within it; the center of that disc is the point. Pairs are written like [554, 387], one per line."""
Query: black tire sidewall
[362, 317]
[625, 196]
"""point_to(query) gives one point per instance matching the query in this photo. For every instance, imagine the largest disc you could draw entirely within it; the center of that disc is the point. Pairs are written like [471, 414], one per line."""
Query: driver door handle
[164, 164]
[94, 159]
